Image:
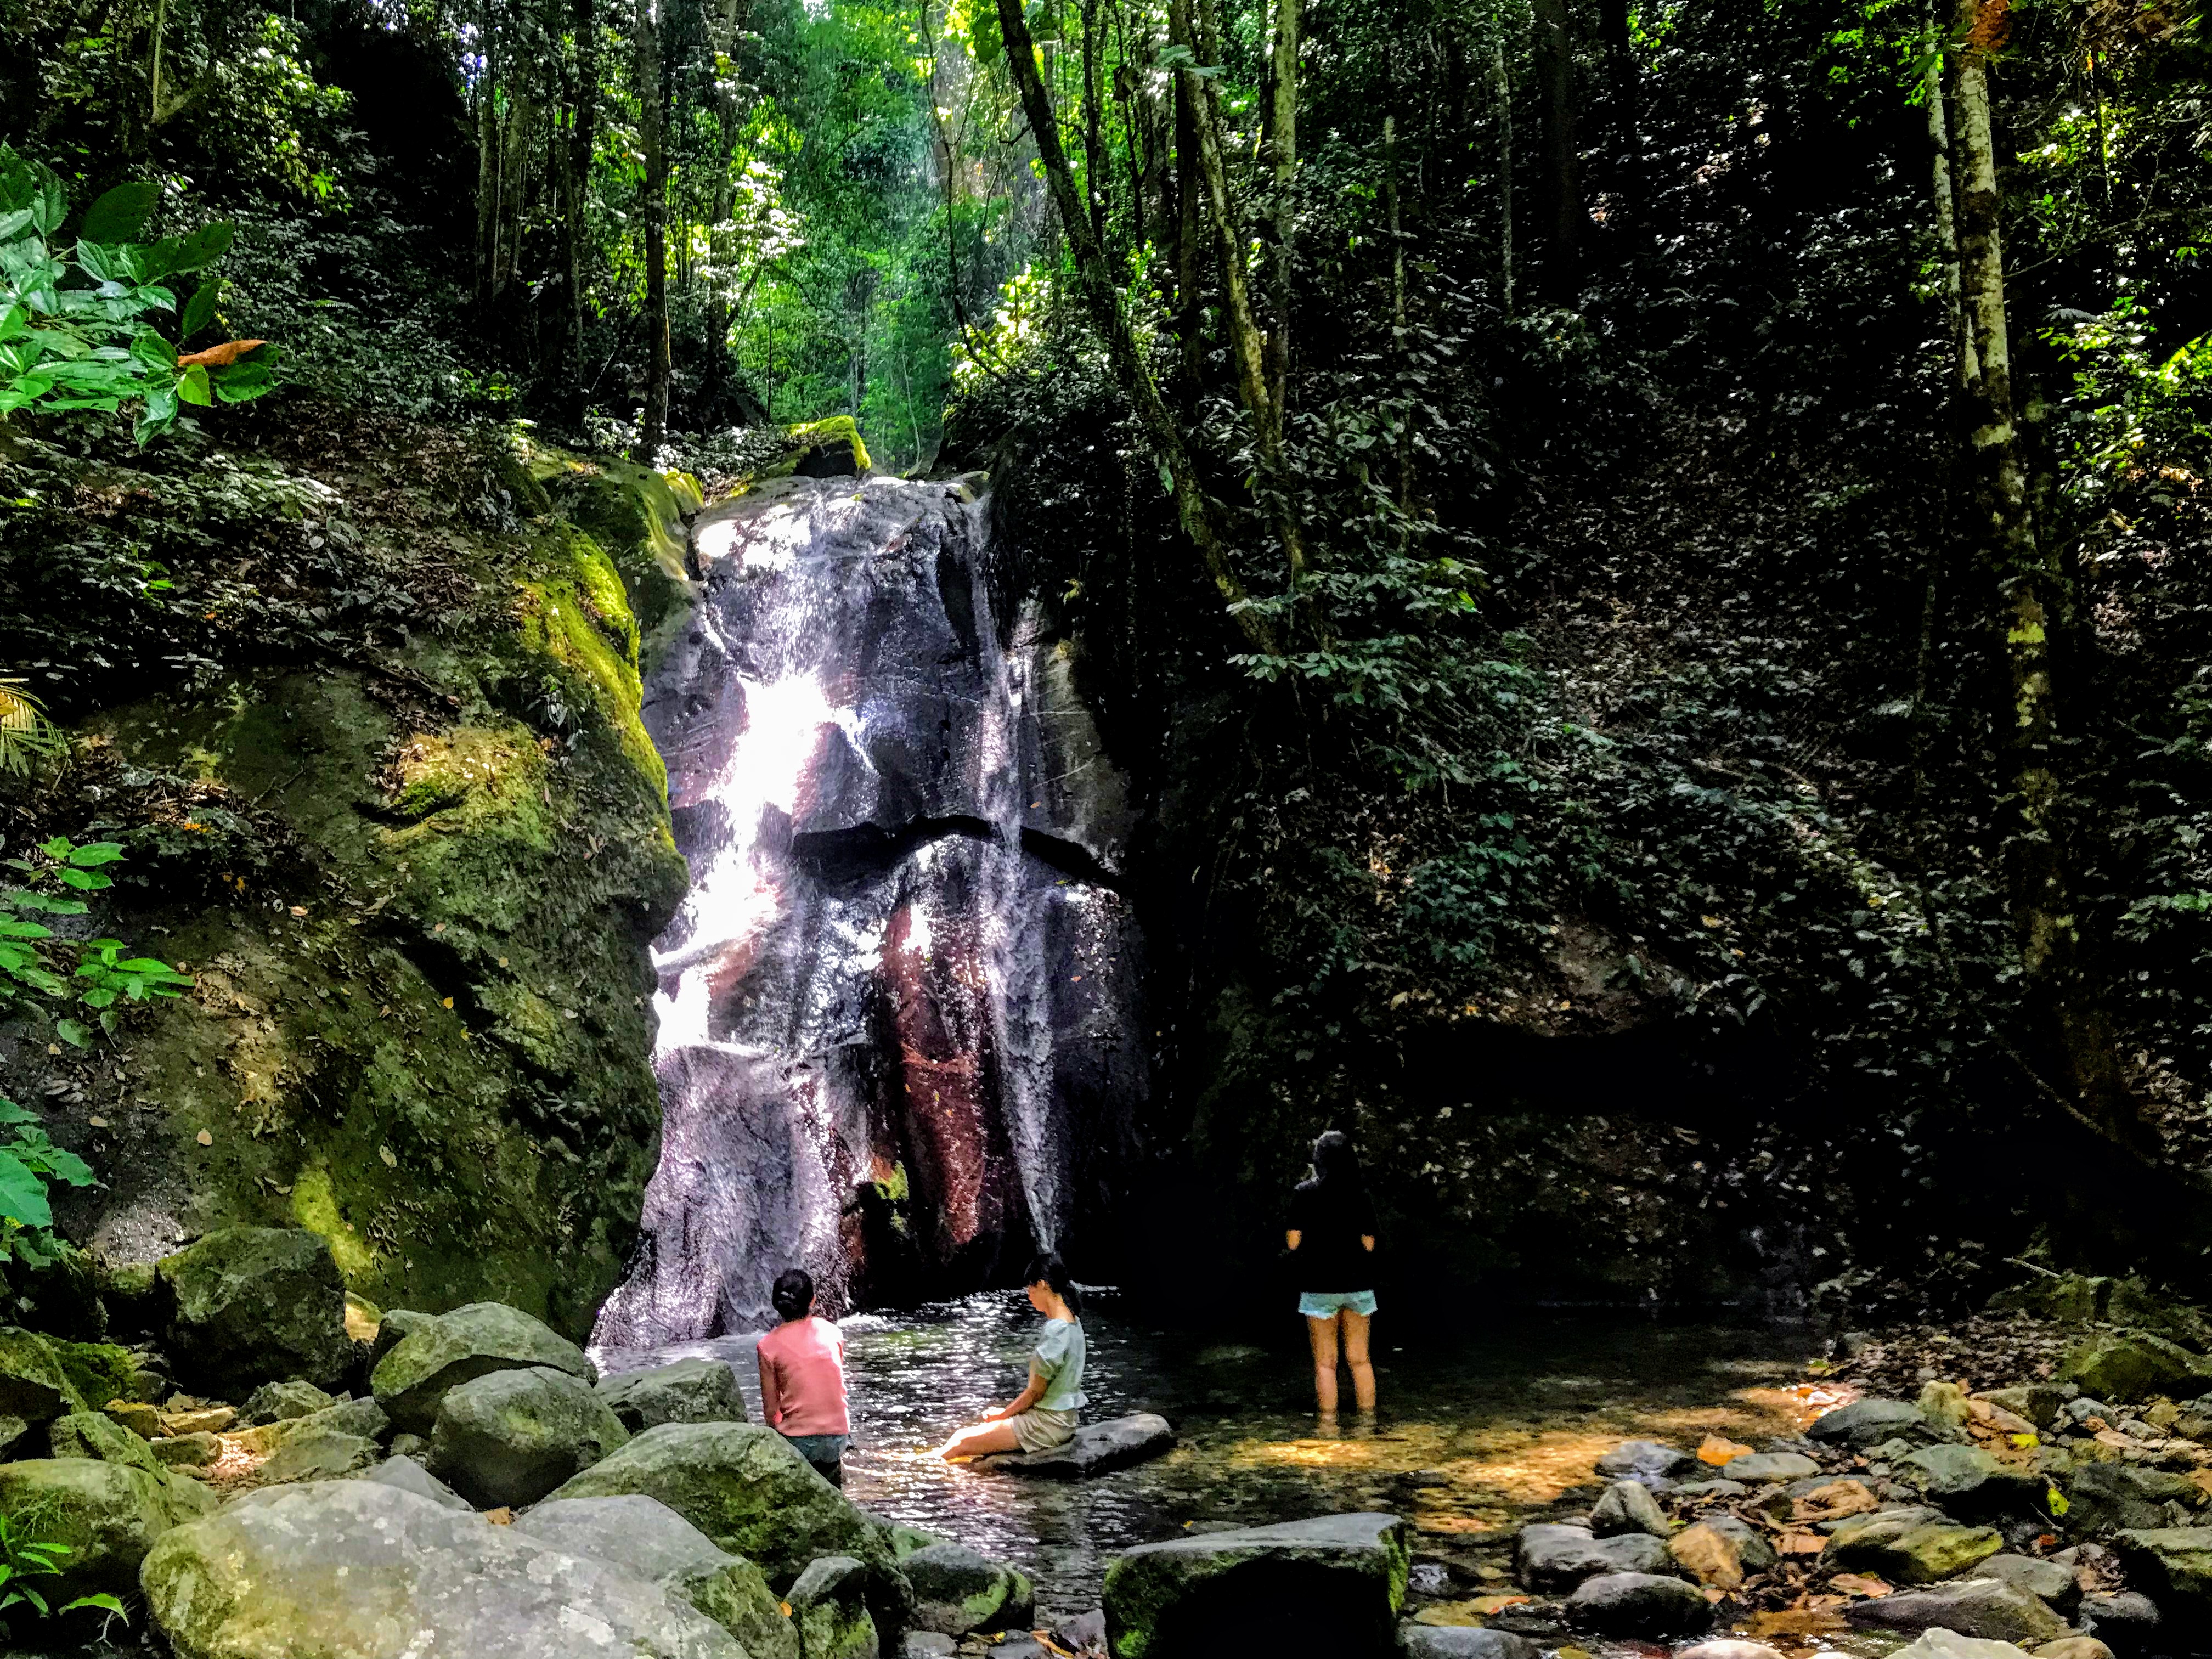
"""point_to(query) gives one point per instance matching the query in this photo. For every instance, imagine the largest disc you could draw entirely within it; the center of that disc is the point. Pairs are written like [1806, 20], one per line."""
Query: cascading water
[899, 1033]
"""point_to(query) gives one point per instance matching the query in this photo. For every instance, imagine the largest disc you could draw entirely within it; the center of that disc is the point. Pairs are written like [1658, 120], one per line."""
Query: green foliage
[77, 334]
[27, 1554]
[32, 958]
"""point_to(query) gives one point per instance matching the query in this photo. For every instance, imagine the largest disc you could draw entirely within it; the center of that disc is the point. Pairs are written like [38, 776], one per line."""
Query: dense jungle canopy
[1650, 561]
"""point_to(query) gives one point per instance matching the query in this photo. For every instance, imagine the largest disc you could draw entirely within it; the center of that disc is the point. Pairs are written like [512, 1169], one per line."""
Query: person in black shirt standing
[1332, 1241]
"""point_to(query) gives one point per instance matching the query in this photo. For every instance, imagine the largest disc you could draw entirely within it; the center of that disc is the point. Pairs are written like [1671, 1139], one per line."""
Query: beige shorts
[1038, 1430]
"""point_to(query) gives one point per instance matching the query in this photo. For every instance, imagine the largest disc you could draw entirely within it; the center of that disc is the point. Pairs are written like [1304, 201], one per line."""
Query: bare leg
[1355, 1355]
[977, 1438]
[1323, 1334]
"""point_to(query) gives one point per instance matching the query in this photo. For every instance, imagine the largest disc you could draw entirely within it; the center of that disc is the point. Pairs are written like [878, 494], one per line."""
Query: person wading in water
[1044, 1415]
[1332, 1241]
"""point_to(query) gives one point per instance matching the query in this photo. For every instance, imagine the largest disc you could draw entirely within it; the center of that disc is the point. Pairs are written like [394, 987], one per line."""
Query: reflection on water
[1479, 1425]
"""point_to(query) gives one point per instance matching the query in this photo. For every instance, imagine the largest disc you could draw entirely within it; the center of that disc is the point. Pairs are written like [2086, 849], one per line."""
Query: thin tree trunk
[1190, 312]
[487, 166]
[1109, 319]
[2061, 1006]
[1282, 142]
[1555, 72]
[653, 207]
[1501, 84]
[1621, 89]
[1965, 365]
[583, 139]
[1096, 172]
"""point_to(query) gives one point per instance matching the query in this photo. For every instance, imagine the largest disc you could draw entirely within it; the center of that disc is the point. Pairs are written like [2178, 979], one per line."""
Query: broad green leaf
[96, 852]
[103, 1601]
[199, 310]
[85, 880]
[192, 385]
[74, 1032]
[22, 1195]
[120, 214]
[65, 1165]
[204, 245]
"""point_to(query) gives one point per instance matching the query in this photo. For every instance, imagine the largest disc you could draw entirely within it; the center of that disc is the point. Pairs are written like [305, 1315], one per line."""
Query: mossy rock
[109, 1515]
[410, 1383]
[33, 1387]
[102, 1371]
[957, 1591]
[256, 1303]
[830, 448]
[508, 1438]
[96, 1435]
[2125, 1367]
[829, 1606]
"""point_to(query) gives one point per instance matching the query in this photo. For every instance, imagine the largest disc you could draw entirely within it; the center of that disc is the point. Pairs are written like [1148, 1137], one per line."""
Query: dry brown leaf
[1715, 1594]
[1486, 1604]
[1794, 1621]
[501, 1517]
[1859, 1583]
[2112, 1437]
[1719, 1449]
[1834, 1501]
[1799, 1542]
[219, 356]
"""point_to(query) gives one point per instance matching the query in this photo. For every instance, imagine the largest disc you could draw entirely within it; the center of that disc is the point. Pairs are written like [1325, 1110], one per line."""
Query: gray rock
[2133, 1365]
[1711, 1489]
[94, 1434]
[2173, 1565]
[1552, 1559]
[1464, 1642]
[1968, 1482]
[1331, 1585]
[369, 1571]
[511, 1437]
[2073, 1647]
[927, 1644]
[1969, 1607]
[1085, 1630]
[1758, 1467]
[2104, 1497]
[33, 1388]
[1097, 1449]
[959, 1592]
[644, 1536]
[275, 1402]
[2037, 1402]
[1729, 1647]
[1645, 1461]
[1865, 1423]
[1722, 1549]
[318, 1455]
[2047, 1581]
[1939, 1644]
[1629, 1506]
[408, 1476]
[2081, 1408]
[460, 1346]
[744, 1487]
[689, 1391]
[1915, 1545]
[395, 1327]
[186, 1451]
[2127, 1619]
[248, 1302]
[829, 1606]
[1641, 1604]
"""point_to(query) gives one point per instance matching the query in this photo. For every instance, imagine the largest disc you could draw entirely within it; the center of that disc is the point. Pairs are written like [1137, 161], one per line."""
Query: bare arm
[771, 1406]
[1027, 1398]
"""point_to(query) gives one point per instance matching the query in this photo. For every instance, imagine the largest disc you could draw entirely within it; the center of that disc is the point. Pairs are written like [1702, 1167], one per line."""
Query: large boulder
[1865, 1423]
[957, 1591]
[1097, 1449]
[642, 1535]
[279, 1402]
[1910, 1546]
[108, 1514]
[2133, 1365]
[34, 1389]
[2105, 1496]
[324, 1454]
[1987, 1608]
[829, 1606]
[1552, 1559]
[1334, 1585]
[689, 1391]
[1639, 1604]
[2174, 1565]
[250, 1304]
[509, 1438]
[96, 1435]
[459, 1346]
[744, 1487]
[355, 1570]
[408, 1476]
[1968, 1482]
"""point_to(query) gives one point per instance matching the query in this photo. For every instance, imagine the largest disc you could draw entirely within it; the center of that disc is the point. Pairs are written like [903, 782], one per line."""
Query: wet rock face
[899, 1038]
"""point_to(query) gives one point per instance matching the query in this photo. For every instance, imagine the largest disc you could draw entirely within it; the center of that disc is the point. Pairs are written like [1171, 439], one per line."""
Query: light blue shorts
[1327, 1304]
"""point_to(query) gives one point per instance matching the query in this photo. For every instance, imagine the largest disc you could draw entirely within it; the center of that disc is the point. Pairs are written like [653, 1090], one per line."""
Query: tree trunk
[1097, 174]
[1555, 71]
[1620, 92]
[487, 168]
[2062, 1008]
[652, 211]
[583, 138]
[1501, 84]
[1283, 143]
[1109, 319]
[1190, 319]
[1967, 367]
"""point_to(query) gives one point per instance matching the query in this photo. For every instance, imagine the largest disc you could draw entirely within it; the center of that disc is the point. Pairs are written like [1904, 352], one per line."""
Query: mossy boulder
[829, 1605]
[96, 1435]
[109, 1515]
[509, 1438]
[689, 1391]
[415, 893]
[1910, 1546]
[957, 1591]
[366, 1570]
[252, 1303]
[278, 1402]
[746, 1488]
[1331, 1585]
[2128, 1366]
[102, 1371]
[33, 1387]
[643, 1535]
[411, 1382]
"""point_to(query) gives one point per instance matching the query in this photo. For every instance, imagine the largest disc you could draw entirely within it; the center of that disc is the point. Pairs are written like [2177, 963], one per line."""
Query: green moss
[816, 435]
[100, 1371]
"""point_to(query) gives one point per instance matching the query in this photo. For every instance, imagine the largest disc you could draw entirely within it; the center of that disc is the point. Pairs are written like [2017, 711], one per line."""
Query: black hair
[1049, 1269]
[1336, 1163]
[793, 1295]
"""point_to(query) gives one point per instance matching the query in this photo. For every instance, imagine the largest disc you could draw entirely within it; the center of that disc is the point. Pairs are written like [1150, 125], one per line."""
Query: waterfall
[900, 1038]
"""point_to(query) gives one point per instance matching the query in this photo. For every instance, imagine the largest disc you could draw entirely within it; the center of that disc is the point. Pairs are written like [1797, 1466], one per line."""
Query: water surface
[1483, 1422]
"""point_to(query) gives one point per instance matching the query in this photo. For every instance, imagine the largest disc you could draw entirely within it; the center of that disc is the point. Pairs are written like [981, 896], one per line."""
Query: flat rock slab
[356, 1569]
[1552, 1559]
[2174, 1564]
[1333, 1585]
[1465, 1642]
[1985, 1608]
[1118, 1442]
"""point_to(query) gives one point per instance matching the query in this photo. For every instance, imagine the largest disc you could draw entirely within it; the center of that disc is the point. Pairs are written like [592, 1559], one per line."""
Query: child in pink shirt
[802, 1378]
